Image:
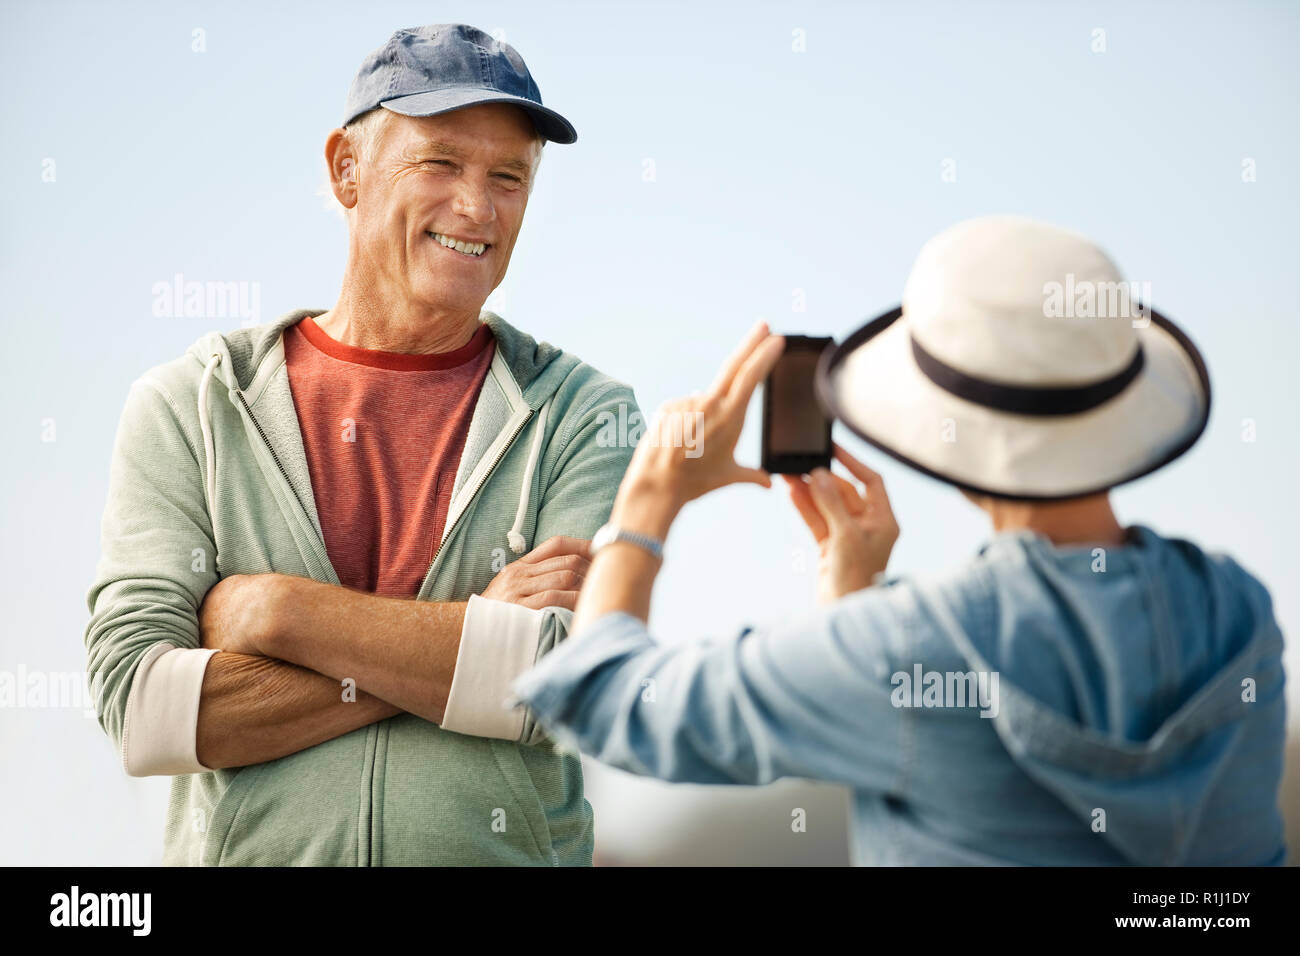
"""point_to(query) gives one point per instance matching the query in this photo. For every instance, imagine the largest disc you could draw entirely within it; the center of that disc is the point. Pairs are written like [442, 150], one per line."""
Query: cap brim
[549, 123]
[871, 383]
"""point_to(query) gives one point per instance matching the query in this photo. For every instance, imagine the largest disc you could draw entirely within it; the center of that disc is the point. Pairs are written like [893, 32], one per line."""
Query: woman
[1076, 693]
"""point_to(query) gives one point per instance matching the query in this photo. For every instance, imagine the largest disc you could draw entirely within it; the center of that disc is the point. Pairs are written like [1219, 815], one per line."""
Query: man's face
[459, 176]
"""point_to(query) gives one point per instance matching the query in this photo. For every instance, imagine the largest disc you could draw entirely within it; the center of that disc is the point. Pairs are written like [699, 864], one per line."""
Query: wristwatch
[608, 534]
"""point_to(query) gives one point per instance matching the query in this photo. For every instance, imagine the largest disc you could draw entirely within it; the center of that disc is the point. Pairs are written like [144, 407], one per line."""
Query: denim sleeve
[810, 698]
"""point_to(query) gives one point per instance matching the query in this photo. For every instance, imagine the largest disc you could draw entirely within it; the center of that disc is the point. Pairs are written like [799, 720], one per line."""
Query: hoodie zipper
[428, 575]
[317, 544]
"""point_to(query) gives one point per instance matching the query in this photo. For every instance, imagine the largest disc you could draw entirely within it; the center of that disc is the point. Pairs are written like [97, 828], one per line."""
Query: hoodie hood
[1134, 735]
[244, 359]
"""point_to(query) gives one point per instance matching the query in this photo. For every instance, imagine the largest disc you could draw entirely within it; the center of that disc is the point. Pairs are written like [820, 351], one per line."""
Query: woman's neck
[1078, 521]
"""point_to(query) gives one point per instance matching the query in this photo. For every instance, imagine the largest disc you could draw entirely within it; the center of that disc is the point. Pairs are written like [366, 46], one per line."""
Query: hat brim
[549, 123]
[872, 383]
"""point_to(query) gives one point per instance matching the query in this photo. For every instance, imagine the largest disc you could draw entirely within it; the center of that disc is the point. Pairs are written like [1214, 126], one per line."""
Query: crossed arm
[305, 661]
[169, 701]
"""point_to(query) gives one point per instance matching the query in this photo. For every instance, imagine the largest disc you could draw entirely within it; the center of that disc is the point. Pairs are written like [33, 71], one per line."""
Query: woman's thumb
[827, 498]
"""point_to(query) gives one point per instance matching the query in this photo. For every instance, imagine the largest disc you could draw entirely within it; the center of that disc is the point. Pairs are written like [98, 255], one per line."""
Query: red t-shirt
[383, 433]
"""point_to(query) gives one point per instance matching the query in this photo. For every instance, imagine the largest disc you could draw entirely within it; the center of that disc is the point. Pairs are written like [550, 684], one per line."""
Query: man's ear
[341, 160]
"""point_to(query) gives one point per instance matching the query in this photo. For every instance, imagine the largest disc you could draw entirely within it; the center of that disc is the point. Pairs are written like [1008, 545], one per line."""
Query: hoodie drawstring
[515, 536]
[210, 473]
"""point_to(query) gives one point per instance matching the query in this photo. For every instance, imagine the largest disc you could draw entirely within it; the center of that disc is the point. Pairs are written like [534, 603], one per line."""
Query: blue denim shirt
[1037, 705]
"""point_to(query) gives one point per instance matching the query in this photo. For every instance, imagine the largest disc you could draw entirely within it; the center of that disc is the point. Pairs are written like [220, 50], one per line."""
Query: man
[1078, 693]
[332, 541]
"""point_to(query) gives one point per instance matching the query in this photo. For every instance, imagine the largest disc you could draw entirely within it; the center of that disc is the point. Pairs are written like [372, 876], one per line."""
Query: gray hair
[364, 131]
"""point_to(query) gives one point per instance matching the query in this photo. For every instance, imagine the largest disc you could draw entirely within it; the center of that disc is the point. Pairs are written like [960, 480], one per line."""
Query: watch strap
[608, 534]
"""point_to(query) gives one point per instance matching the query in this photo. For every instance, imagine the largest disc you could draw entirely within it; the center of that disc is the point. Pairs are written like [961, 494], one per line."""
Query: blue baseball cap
[424, 71]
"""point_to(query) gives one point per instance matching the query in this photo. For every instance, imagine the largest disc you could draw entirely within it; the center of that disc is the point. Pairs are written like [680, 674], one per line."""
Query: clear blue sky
[775, 170]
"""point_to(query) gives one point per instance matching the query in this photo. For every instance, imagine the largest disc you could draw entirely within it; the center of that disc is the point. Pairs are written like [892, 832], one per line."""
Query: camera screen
[798, 423]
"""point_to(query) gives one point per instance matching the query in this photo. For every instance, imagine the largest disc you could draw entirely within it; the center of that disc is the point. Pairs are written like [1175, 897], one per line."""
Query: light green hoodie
[209, 479]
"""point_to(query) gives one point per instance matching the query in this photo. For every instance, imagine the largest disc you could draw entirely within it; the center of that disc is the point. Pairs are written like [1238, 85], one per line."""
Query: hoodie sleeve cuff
[498, 642]
[160, 730]
[558, 677]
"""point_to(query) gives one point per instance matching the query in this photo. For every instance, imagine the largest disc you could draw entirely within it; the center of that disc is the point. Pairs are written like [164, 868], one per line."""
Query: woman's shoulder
[933, 614]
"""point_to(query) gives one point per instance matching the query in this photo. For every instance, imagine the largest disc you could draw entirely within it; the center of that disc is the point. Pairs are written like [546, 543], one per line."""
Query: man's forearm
[401, 651]
[255, 709]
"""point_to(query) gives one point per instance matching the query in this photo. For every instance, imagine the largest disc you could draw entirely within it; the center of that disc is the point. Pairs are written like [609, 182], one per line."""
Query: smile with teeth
[471, 249]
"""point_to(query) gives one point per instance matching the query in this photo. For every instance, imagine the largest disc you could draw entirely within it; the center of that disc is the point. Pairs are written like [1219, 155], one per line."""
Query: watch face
[601, 537]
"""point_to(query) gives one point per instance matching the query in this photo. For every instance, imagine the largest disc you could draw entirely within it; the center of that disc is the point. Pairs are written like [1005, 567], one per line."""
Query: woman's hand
[689, 447]
[855, 530]
[687, 450]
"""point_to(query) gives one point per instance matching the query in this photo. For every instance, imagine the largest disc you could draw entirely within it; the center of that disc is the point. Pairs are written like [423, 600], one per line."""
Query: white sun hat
[1020, 365]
